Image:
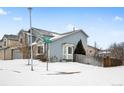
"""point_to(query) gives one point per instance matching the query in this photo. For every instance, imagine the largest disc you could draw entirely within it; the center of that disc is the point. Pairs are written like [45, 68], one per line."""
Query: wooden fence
[98, 61]
[109, 62]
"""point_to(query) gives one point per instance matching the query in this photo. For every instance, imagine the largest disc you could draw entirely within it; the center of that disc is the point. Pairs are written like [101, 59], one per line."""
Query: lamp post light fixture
[30, 9]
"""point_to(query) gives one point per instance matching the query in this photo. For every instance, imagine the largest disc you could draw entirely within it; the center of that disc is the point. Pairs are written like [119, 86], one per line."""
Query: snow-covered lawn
[17, 72]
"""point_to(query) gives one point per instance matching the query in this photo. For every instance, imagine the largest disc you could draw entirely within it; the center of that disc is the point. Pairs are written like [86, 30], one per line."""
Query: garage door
[17, 54]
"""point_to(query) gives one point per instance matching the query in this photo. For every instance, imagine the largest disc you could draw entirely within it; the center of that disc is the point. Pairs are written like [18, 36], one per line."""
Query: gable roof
[11, 37]
[67, 34]
[22, 30]
[74, 32]
[40, 32]
[94, 47]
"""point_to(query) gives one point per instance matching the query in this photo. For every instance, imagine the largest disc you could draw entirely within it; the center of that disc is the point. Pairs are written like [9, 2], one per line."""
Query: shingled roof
[66, 33]
[40, 32]
[11, 37]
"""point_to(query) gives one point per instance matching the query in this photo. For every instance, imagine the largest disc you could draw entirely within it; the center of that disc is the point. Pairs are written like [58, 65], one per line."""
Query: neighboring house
[0, 44]
[92, 51]
[104, 53]
[39, 47]
[7, 43]
[23, 39]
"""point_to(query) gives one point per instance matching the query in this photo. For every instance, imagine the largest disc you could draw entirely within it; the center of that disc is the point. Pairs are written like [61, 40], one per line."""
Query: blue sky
[103, 25]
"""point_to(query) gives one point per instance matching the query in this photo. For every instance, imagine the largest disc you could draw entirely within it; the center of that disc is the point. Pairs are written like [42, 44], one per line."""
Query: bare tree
[117, 50]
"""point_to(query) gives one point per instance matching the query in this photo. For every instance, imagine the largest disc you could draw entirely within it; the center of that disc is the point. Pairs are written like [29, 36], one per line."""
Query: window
[70, 50]
[21, 41]
[90, 51]
[40, 49]
[33, 38]
[4, 43]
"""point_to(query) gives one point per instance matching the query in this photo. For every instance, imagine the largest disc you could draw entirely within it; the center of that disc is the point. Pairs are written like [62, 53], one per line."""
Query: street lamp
[31, 38]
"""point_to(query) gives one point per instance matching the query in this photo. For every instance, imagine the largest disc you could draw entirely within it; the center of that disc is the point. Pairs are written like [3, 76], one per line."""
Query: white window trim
[5, 40]
[66, 54]
[42, 46]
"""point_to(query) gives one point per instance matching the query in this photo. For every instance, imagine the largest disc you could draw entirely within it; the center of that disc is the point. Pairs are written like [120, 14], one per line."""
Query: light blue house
[62, 46]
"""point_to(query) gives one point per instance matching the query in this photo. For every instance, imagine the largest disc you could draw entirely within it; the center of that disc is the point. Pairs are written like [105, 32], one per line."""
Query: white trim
[65, 51]
[5, 40]
[42, 46]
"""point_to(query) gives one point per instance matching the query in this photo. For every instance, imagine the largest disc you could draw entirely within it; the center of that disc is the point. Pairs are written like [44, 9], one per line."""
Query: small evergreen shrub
[80, 49]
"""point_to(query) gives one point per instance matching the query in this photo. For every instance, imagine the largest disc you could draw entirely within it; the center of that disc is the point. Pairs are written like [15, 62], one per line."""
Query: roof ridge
[74, 31]
[45, 30]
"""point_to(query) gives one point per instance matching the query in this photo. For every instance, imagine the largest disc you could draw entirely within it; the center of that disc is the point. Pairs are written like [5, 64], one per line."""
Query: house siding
[91, 51]
[9, 43]
[24, 38]
[1, 54]
[12, 43]
[35, 51]
[1, 43]
[5, 54]
[6, 51]
[56, 49]
[23, 45]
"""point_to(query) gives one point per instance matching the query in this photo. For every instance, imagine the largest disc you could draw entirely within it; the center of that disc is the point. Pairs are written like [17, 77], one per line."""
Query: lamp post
[31, 38]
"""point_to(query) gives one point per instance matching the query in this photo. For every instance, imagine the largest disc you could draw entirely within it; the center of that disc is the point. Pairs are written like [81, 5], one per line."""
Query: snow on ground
[17, 72]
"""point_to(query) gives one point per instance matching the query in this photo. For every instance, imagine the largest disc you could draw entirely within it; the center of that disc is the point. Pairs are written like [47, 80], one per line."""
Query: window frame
[66, 53]
[42, 45]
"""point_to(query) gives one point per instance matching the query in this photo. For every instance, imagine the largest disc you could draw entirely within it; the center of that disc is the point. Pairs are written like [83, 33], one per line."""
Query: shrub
[80, 49]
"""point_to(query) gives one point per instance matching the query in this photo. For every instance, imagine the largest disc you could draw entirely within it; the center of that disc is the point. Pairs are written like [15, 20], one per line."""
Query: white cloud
[118, 18]
[2, 12]
[17, 18]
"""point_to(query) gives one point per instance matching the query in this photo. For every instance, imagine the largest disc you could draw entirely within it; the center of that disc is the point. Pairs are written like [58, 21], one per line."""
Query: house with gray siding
[62, 46]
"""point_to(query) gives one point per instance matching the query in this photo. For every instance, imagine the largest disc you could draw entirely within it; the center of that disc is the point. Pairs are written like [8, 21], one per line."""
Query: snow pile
[17, 72]
[54, 34]
[57, 37]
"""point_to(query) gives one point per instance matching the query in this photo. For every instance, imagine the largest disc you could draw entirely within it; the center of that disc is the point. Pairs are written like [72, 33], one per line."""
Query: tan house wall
[35, 51]
[8, 54]
[12, 43]
[23, 45]
[1, 54]
[91, 51]
[22, 36]
[7, 49]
